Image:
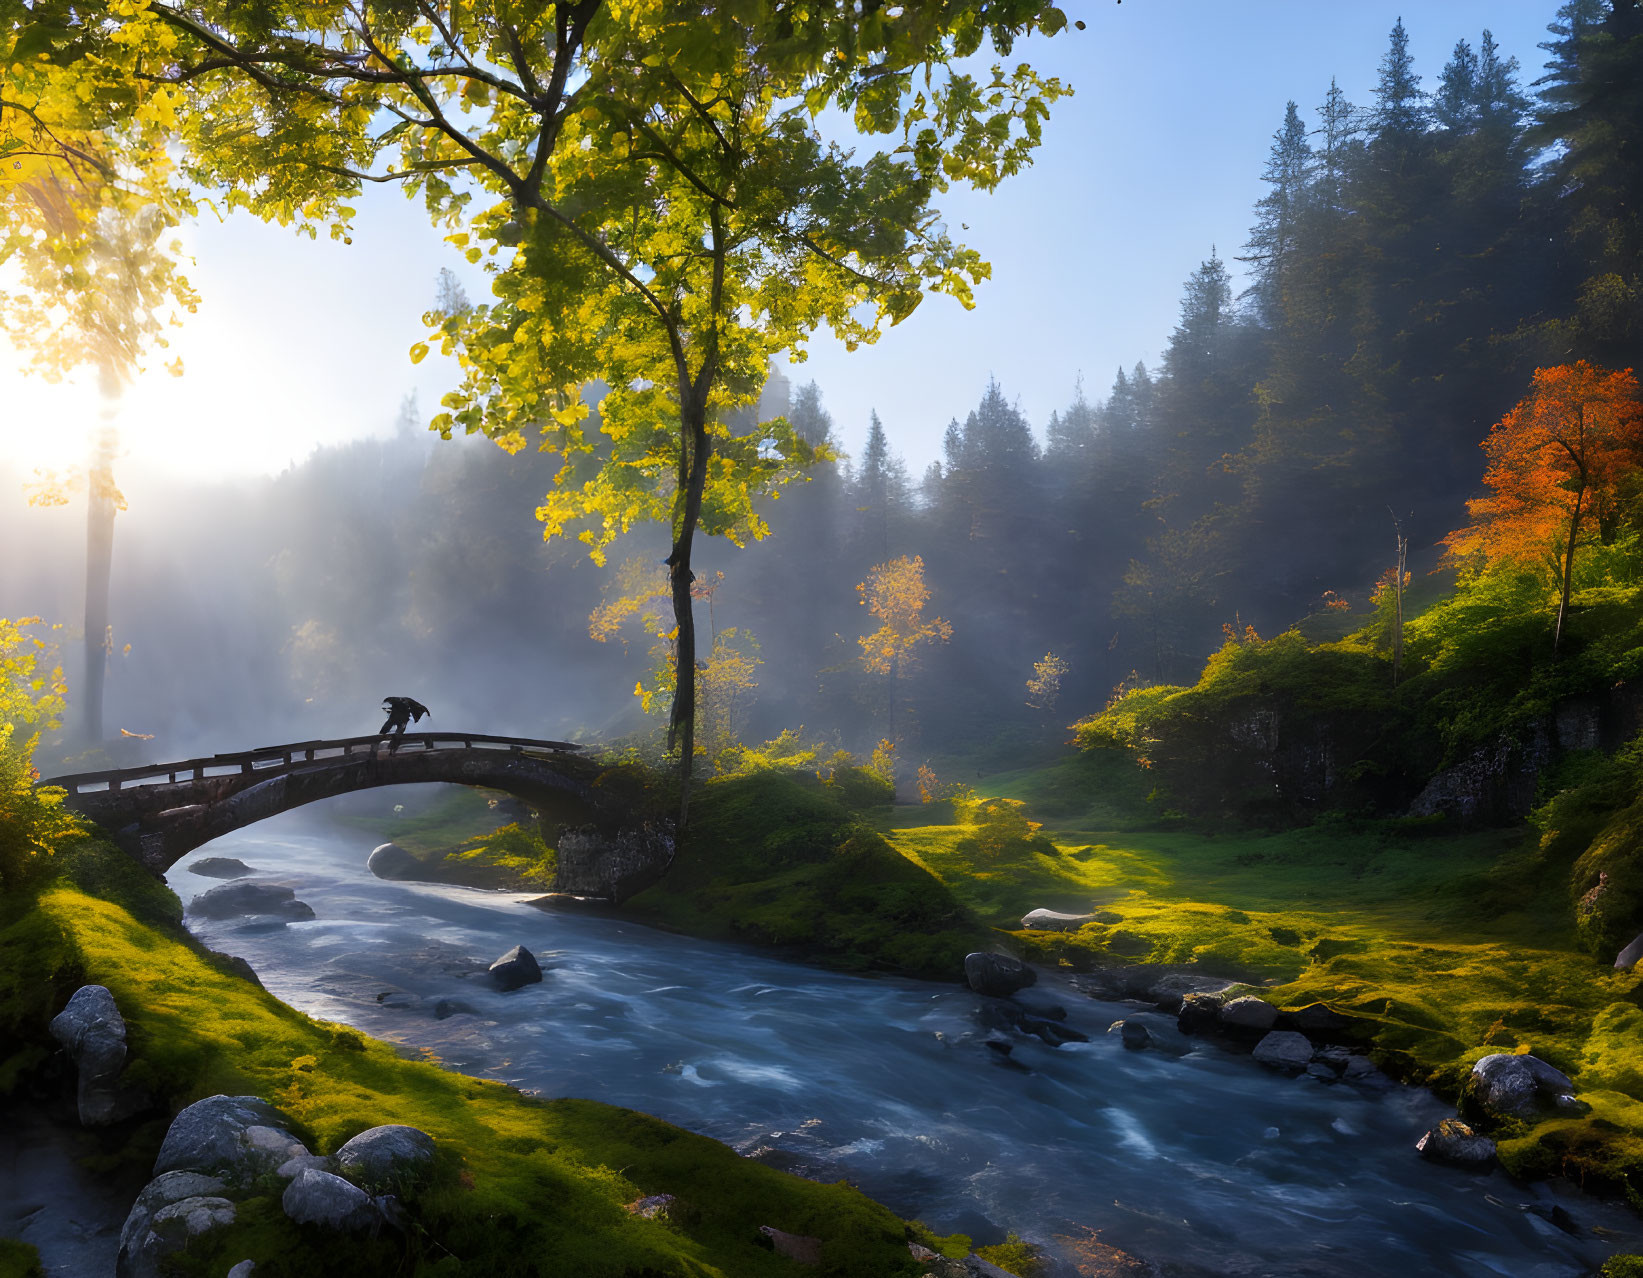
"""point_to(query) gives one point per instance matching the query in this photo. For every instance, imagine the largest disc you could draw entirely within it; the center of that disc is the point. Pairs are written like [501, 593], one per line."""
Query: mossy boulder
[1607, 885]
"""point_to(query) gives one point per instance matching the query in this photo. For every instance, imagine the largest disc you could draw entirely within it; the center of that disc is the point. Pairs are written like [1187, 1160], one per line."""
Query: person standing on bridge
[401, 712]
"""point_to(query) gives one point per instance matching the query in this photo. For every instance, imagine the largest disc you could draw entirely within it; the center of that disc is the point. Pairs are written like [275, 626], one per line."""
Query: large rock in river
[1249, 1013]
[1452, 1141]
[997, 974]
[1284, 1049]
[221, 867]
[390, 861]
[1200, 1012]
[232, 900]
[515, 968]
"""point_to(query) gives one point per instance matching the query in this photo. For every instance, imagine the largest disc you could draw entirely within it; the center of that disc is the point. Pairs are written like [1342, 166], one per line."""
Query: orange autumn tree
[1559, 463]
[895, 593]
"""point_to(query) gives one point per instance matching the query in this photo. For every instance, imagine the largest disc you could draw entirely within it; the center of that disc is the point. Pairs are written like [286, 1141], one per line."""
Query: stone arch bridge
[160, 813]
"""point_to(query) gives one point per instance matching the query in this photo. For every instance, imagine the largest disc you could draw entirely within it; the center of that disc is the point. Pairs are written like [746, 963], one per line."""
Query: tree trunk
[101, 506]
[681, 733]
[1568, 569]
[99, 560]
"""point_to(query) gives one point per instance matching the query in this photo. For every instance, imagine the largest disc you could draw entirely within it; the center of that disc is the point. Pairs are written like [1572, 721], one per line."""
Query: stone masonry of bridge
[160, 813]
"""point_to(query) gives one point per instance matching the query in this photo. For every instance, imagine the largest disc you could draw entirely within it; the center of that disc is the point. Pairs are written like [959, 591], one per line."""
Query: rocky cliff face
[613, 865]
[1265, 754]
[1496, 783]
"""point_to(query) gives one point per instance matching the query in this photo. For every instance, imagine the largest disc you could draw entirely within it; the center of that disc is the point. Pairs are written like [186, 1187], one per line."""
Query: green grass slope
[775, 858]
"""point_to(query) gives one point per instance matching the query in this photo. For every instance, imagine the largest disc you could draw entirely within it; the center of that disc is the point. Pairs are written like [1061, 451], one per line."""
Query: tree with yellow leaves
[650, 190]
[87, 196]
[895, 593]
[32, 820]
[727, 682]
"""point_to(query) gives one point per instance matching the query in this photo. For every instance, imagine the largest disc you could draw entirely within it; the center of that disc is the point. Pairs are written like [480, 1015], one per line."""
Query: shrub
[32, 820]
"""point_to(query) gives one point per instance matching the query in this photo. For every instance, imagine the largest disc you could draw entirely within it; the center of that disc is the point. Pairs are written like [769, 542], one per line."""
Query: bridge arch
[161, 812]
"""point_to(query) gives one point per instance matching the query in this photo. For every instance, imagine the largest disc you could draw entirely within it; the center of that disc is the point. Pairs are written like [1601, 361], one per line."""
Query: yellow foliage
[895, 593]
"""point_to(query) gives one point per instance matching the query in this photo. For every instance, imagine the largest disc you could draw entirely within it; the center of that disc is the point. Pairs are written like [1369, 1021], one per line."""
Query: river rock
[1134, 1035]
[1516, 1085]
[516, 968]
[1452, 1141]
[1317, 1019]
[235, 964]
[1200, 1013]
[233, 900]
[1248, 1013]
[1284, 1049]
[1054, 921]
[997, 974]
[320, 1198]
[386, 1159]
[294, 1166]
[653, 1207]
[211, 1136]
[1628, 957]
[999, 1013]
[141, 1249]
[797, 1247]
[220, 867]
[242, 1270]
[390, 861]
[93, 1033]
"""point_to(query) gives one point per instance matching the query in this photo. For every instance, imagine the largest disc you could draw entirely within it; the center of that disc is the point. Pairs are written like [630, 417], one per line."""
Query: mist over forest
[1414, 259]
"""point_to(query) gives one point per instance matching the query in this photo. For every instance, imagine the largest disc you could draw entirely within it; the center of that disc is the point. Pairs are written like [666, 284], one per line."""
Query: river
[1204, 1163]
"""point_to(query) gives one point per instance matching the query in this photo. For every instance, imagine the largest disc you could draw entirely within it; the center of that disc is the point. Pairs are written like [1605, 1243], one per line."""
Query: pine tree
[1592, 110]
[1455, 106]
[1070, 441]
[1198, 342]
[878, 495]
[1273, 241]
[1340, 145]
[1400, 113]
[807, 416]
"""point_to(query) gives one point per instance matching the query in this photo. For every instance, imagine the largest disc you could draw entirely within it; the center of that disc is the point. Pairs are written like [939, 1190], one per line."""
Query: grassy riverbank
[525, 1186]
[772, 858]
[1447, 945]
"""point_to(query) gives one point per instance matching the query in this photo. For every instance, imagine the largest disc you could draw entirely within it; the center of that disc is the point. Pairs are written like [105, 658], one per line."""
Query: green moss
[1019, 1258]
[527, 1187]
[19, 1260]
[514, 856]
[1622, 1267]
[1607, 884]
[773, 858]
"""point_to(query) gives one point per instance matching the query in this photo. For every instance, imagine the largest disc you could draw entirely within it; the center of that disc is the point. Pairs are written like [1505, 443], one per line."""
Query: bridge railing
[278, 758]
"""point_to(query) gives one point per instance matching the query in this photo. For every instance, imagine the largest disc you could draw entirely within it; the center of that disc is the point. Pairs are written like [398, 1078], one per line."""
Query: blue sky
[1155, 159]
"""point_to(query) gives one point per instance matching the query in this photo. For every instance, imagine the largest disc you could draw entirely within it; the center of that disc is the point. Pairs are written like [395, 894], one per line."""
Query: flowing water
[1204, 1163]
